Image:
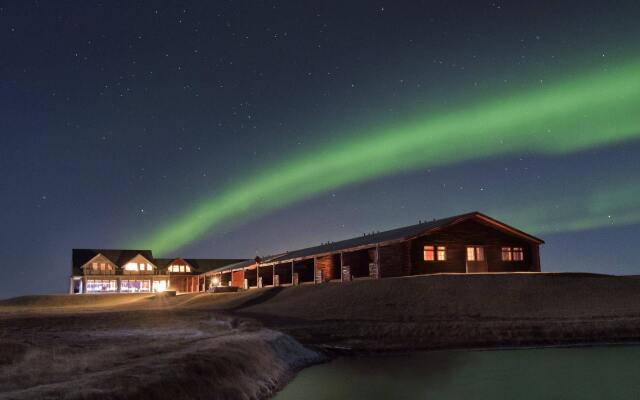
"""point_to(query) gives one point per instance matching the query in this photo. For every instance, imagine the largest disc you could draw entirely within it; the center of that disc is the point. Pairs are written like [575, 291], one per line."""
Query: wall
[395, 260]
[330, 266]
[457, 237]
[237, 278]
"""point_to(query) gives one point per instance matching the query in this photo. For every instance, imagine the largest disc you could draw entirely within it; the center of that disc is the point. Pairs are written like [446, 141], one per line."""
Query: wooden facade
[469, 243]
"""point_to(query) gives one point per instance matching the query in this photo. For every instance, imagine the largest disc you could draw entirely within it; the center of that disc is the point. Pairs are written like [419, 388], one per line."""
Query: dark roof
[207, 264]
[240, 264]
[79, 257]
[162, 263]
[392, 235]
[200, 265]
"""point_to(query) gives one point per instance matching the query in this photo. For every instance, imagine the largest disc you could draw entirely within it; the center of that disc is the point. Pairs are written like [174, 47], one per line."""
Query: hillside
[247, 344]
[448, 310]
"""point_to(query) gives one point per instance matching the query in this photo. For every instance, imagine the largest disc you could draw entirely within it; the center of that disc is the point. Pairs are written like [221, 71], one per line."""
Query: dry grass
[215, 345]
[143, 354]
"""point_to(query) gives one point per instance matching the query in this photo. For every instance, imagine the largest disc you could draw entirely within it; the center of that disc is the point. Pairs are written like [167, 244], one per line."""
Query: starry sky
[241, 128]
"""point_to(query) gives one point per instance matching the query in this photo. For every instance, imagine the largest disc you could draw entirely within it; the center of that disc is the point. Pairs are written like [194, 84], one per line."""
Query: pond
[610, 372]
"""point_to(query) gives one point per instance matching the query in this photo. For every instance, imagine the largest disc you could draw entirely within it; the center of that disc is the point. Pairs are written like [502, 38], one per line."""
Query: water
[583, 373]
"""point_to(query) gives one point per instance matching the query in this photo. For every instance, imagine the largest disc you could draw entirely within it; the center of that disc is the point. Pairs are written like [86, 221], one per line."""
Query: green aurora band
[588, 111]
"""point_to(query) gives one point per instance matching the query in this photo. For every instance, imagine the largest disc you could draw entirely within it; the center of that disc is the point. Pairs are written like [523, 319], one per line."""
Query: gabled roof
[390, 236]
[79, 257]
[97, 256]
[404, 233]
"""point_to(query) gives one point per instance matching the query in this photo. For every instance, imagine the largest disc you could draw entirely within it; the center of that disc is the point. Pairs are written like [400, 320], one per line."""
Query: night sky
[235, 129]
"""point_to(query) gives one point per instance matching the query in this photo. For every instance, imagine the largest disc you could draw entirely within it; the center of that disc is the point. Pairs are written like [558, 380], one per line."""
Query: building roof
[200, 265]
[120, 257]
[208, 264]
[79, 257]
[393, 235]
[230, 267]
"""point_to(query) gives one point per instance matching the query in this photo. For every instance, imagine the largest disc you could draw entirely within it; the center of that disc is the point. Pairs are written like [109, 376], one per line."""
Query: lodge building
[467, 243]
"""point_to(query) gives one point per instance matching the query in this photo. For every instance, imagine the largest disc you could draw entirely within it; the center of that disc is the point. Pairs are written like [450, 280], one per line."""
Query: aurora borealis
[589, 111]
[236, 128]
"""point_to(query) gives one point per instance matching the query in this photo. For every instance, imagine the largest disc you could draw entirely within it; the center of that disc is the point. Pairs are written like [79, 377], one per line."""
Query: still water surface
[583, 373]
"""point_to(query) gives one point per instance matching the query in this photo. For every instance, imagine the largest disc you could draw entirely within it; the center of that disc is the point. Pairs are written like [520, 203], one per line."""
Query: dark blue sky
[118, 115]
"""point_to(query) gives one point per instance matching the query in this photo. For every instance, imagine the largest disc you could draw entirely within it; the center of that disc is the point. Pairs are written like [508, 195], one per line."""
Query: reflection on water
[560, 373]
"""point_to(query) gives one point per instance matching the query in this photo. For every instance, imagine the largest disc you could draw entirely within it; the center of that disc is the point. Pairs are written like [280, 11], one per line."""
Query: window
[94, 266]
[429, 253]
[160, 286]
[512, 254]
[179, 268]
[475, 253]
[134, 286]
[131, 267]
[518, 254]
[94, 285]
[435, 253]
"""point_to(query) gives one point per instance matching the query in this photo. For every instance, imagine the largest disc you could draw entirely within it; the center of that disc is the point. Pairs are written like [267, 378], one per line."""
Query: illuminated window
[94, 266]
[475, 253]
[134, 286]
[506, 254]
[179, 268]
[518, 254]
[131, 267]
[429, 253]
[97, 286]
[435, 253]
[159, 286]
[512, 254]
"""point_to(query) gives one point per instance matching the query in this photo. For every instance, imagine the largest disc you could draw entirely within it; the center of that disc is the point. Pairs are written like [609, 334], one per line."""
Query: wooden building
[136, 271]
[467, 243]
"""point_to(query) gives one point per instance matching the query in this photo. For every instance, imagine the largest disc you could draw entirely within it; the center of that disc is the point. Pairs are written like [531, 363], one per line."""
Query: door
[476, 261]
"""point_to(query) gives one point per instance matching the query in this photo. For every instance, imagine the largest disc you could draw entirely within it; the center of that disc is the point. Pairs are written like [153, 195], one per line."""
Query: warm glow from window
[429, 253]
[159, 286]
[512, 254]
[475, 253]
[101, 286]
[179, 268]
[134, 286]
[518, 254]
[131, 267]
[506, 254]
[435, 253]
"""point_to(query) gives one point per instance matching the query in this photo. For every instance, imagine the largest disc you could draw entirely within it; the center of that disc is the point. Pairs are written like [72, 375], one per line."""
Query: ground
[248, 344]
